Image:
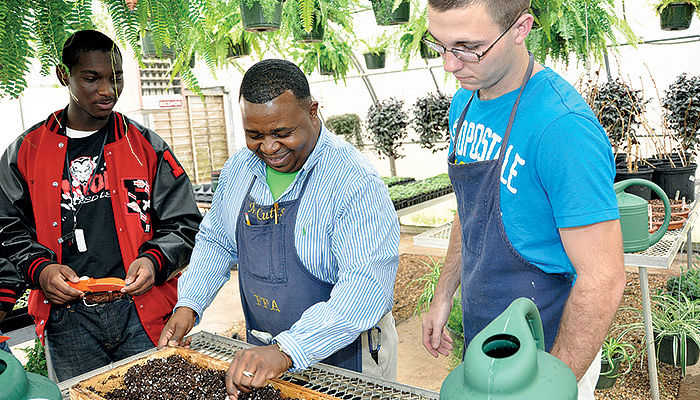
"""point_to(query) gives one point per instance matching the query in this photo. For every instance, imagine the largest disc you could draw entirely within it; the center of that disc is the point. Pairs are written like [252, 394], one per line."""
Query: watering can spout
[507, 361]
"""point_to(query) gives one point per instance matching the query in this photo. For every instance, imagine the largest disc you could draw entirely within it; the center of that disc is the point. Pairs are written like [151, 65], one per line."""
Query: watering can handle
[527, 308]
[620, 186]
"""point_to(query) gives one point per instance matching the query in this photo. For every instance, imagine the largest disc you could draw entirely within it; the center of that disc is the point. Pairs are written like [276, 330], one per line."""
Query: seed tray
[95, 387]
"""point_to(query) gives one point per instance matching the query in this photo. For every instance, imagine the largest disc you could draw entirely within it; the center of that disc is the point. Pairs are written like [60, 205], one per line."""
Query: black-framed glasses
[468, 56]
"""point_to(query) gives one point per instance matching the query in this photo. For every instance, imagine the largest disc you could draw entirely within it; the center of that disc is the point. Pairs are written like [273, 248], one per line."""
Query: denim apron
[276, 288]
[493, 272]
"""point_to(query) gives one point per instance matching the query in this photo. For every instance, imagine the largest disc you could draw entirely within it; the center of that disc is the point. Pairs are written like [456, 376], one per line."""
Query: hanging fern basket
[384, 16]
[325, 70]
[148, 48]
[375, 60]
[316, 34]
[677, 16]
[255, 19]
[237, 50]
[427, 53]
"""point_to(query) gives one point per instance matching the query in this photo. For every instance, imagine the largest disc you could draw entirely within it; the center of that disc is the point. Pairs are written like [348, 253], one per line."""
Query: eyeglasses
[464, 55]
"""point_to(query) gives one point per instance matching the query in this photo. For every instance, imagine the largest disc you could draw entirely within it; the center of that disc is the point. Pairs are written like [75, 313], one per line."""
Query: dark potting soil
[175, 378]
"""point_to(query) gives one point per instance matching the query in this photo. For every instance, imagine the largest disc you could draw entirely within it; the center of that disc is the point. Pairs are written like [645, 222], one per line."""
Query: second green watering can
[507, 361]
[634, 215]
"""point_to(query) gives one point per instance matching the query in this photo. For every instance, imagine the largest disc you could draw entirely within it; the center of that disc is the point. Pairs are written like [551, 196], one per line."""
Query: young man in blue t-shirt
[533, 172]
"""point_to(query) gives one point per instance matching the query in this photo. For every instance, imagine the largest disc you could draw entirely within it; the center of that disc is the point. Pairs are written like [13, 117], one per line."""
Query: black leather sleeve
[18, 242]
[174, 212]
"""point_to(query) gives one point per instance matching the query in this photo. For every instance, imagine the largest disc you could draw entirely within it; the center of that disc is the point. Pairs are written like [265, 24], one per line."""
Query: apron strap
[506, 136]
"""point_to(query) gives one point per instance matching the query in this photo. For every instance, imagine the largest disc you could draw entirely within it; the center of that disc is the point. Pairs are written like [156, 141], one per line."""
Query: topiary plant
[347, 125]
[431, 115]
[682, 108]
[387, 122]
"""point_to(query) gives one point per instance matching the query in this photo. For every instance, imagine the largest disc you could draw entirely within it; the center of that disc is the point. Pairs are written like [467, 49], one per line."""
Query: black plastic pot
[608, 373]
[316, 34]
[323, 70]
[375, 61]
[427, 53]
[665, 350]
[255, 20]
[677, 16]
[644, 192]
[384, 16]
[678, 179]
[236, 50]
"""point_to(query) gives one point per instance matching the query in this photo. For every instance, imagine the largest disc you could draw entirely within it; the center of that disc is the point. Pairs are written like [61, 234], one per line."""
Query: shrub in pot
[387, 122]
[676, 15]
[261, 15]
[375, 54]
[347, 125]
[431, 114]
[330, 57]
[616, 352]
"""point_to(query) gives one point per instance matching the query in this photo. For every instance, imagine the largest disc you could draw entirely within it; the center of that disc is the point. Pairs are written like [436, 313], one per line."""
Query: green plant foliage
[387, 122]
[332, 54]
[619, 109]
[617, 351]
[681, 103]
[15, 50]
[429, 280]
[412, 189]
[580, 27]
[36, 359]
[384, 9]
[687, 283]
[411, 34]
[379, 44]
[347, 125]
[431, 115]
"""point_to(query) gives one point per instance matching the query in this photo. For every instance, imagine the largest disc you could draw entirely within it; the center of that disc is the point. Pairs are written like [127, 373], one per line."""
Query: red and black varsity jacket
[31, 170]
[11, 285]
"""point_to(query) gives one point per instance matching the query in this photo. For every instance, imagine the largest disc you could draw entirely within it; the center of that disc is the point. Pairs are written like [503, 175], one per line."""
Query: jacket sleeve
[18, 240]
[174, 214]
[11, 285]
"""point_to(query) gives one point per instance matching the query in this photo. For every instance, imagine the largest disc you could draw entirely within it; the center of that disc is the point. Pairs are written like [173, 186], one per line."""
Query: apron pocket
[262, 254]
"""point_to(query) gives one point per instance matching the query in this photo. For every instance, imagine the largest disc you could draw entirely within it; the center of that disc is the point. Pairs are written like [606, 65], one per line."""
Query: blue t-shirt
[558, 169]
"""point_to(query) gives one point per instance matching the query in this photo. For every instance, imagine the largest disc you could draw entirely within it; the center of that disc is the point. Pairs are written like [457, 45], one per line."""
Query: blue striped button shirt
[346, 233]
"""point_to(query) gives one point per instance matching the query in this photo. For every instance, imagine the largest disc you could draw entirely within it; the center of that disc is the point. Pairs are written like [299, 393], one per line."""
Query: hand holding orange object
[98, 285]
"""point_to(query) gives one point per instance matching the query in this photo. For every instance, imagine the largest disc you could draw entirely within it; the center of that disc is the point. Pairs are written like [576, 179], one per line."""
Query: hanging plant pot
[384, 16]
[237, 50]
[324, 70]
[665, 350]
[638, 190]
[316, 34]
[427, 53]
[255, 19]
[375, 60]
[608, 373]
[678, 179]
[677, 16]
[148, 48]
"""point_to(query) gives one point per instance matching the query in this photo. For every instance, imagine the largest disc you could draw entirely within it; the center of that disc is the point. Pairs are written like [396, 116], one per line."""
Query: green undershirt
[278, 181]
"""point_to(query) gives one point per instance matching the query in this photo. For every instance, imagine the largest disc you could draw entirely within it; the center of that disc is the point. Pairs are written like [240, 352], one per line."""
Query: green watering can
[17, 384]
[634, 216]
[507, 361]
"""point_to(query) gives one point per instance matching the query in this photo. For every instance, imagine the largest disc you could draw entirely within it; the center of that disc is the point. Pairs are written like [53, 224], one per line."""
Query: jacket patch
[176, 168]
[138, 193]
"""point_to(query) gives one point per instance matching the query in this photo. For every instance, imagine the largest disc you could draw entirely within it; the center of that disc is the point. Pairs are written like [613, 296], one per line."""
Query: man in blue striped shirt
[315, 235]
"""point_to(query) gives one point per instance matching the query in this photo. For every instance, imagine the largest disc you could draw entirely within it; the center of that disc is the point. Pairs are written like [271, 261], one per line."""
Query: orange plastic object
[4, 338]
[99, 285]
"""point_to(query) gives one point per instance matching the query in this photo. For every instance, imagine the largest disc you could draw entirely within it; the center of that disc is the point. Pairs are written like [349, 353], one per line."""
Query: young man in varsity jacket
[88, 192]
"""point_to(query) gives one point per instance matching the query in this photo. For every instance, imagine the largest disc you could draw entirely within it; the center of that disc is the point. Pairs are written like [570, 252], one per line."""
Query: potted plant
[431, 114]
[681, 104]
[391, 12]
[375, 54]
[616, 352]
[347, 125]
[619, 108]
[387, 122]
[304, 19]
[261, 15]
[676, 14]
[331, 57]
[687, 283]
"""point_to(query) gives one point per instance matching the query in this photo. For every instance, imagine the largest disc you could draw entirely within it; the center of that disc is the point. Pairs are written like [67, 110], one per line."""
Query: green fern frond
[125, 23]
[15, 49]
[197, 10]
[306, 14]
[80, 16]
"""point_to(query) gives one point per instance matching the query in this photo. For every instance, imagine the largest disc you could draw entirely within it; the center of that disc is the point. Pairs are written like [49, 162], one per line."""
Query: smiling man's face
[282, 132]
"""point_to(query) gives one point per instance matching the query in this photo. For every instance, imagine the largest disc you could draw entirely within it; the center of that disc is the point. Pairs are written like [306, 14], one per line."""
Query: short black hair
[83, 41]
[268, 79]
[504, 12]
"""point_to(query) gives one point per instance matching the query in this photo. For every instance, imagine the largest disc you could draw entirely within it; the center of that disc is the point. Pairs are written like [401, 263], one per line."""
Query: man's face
[95, 84]
[473, 29]
[282, 132]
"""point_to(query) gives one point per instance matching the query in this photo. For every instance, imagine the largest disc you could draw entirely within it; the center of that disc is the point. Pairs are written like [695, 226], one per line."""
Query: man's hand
[179, 325]
[140, 277]
[435, 340]
[251, 368]
[53, 282]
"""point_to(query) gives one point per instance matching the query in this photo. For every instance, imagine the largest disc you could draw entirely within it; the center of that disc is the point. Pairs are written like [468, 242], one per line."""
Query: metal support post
[649, 333]
[689, 247]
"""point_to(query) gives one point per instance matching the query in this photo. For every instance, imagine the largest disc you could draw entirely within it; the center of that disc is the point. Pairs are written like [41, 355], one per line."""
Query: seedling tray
[95, 387]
